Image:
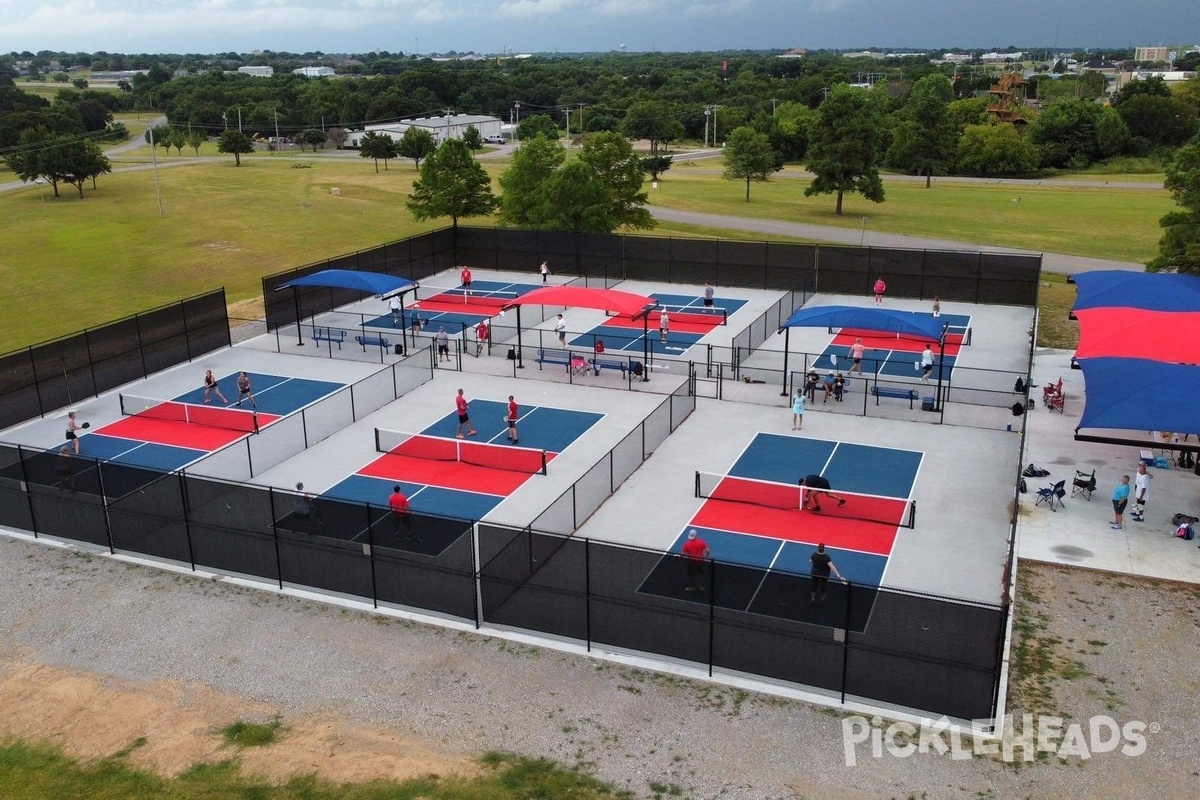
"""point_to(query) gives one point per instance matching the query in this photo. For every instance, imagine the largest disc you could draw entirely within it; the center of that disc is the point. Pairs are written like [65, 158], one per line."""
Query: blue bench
[329, 335]
[373, 341]
[912, 395]
[554, 357]
[599, 362]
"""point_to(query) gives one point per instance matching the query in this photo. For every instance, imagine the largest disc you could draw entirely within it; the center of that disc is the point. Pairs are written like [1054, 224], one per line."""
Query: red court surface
[446, 474]
[794, 525]
[481, 306]
[881, 341]
[677, 325]
[178, 434]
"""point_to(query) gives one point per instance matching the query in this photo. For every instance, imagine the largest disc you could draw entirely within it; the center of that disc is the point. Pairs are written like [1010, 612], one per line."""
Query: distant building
[1170, 78]
[112, 76]
[1152, 54]
[442, 128]
[1002, 58]
[795, 52]
[257, 72]
[865, 54]
[314, 72]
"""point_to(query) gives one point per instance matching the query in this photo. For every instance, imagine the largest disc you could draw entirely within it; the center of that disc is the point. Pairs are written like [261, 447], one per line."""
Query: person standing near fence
[880, 288]
[545, 270]
[443, 344]
[416, 326]
[401, 519]
[465, 278]
[395, 305]
[304, 507]
[511, 418]
[243, 386]
[695, 553]
[481, 336]
[926, 364]
[822, 565]
[210, 385]
[664, 326]
[937, 307]
[708, 295]
[560, 327]
[73, 431]
[463, 409]
[797, 408]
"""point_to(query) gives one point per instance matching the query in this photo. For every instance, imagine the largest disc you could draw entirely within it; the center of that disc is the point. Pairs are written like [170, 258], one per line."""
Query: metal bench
[554, 357]
[598, 363]
[373, 341]
[329, 335]
[912, 395]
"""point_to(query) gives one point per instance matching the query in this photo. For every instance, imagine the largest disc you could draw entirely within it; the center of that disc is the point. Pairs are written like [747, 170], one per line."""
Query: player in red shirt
[465, 278]
[481, 336]
[695, 551]
[401, 521]
[511, 418]
[464, 418]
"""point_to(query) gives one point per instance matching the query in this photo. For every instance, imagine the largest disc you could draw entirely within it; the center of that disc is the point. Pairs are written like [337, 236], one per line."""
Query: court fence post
[371, 557]
[587, 591]
[187, 523]
[846, 639]
[275, 537]
[104, 503]
[477, 577]
[28, 494]
[712, 608]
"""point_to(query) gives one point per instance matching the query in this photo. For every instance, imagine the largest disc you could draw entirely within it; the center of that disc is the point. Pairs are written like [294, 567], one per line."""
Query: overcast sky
[492, 26]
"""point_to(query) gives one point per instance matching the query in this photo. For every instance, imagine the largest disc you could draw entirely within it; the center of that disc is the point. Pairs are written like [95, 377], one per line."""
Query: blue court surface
[480, 303]
[631, 337]
[275, 394]
[896, 357]
[763, 549]
[540, 427]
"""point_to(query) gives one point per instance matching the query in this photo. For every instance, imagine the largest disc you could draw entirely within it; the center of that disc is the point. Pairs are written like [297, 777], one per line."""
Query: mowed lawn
[69, 264]
[1111, 222]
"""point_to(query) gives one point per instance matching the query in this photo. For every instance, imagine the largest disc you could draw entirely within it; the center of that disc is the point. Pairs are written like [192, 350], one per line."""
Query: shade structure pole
[941, 364]
[787, 335]
[646, 345]
[299, 332]
[520, 363]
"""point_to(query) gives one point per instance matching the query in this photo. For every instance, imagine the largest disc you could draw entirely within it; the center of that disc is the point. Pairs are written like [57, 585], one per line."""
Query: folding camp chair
[1084, 484]
[1052, 495]
[1057, 402]
[1050, 390]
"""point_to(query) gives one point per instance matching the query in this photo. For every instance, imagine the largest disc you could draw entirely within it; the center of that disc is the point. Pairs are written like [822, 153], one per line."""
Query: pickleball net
[235, 419]
[790, 497]
[696, 315]
[475, 297]
[481, 454]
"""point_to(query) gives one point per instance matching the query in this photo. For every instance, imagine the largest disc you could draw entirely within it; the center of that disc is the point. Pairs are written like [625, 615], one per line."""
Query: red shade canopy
[1171, 337]
[626, 304]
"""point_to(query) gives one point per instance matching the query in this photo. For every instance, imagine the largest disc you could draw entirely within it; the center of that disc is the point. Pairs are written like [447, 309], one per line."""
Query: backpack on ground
[1023, 488]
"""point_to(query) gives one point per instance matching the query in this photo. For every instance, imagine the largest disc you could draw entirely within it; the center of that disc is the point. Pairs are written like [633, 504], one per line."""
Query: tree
[86, 162]
[178, 140]
[749, 157]
[576, 199]
[57, 159]
[1065, 134]
[846, 142]
[538, 123]
[533, 164]
[924, 140]
[194, 140]
[1159, 120]
[337, 137]
[452, 184]
[990, 150]
[1179, 247]
[79, 83]
[612, 157]
[377, 145]
[472, 138]
[653, 120]
[236, 142]
[655, 166]
[313, 137]
[417, 144]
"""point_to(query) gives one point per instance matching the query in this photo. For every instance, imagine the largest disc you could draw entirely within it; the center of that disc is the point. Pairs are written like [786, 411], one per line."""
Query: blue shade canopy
[1142, 395]
[883, 320]
[1149, 291]
[369, 282]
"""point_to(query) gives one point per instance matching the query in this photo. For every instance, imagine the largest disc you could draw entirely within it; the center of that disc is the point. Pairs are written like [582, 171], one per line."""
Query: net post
[378, 449]
[543, 462]
[912, 514]
[697, 483]
[121, 403]
[254, 421]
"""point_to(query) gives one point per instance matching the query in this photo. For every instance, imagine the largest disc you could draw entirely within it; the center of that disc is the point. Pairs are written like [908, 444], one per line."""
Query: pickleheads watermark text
[1023, 738]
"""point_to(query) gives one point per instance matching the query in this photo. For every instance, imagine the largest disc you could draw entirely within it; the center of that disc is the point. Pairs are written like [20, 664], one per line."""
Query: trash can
[927, 404]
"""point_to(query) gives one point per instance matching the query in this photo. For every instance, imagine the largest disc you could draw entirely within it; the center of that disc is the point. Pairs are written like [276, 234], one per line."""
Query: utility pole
[714, 110]
[568, 112]
[773, 101]
[154, 161]
[581, 120]
[518, 107]
[239, 119]
[278, 141]
[447, 112]
[707, 113]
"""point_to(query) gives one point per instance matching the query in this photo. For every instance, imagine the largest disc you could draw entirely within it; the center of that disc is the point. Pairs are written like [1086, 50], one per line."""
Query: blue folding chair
[1052, 495]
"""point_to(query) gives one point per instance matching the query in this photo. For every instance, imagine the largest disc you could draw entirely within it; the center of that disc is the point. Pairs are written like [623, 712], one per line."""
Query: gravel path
[466, 693]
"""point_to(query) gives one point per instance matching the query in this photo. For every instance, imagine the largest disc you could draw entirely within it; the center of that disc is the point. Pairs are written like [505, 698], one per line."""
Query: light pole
[517, 104]
[863, 237]
[707, 111]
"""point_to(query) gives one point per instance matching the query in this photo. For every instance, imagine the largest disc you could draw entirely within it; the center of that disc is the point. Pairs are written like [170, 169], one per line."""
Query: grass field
[34, 772]
[69, 264]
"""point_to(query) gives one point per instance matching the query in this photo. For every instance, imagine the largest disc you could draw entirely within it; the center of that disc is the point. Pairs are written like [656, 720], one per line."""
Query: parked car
[494, 140]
